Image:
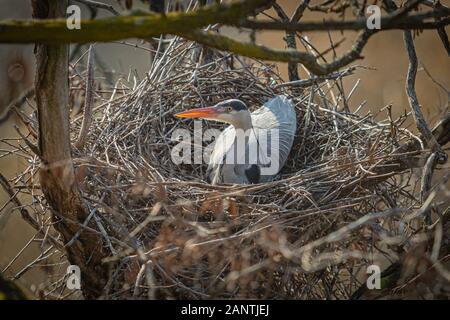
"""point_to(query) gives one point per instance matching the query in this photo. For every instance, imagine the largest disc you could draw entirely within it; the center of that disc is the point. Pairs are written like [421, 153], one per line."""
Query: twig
[315, 80]
[24, 212]
[438, 83]
[34, 148]
[428, 202]
[18, 102]
[298, 14]
[26, 121]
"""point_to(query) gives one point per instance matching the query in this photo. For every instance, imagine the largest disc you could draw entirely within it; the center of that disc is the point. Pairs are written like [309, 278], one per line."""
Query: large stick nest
[337, 206]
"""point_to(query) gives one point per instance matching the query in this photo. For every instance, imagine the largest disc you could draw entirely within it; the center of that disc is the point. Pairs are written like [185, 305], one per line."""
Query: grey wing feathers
[278, 113]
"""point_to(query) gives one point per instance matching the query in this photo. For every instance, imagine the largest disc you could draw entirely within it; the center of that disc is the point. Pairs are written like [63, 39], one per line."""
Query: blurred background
[382, 82]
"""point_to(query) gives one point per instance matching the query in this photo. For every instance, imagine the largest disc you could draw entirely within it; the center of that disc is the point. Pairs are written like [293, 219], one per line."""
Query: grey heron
[268, 137]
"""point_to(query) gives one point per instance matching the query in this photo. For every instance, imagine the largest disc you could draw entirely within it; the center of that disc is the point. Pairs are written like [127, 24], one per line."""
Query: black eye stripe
[238, 105]
[234, 104]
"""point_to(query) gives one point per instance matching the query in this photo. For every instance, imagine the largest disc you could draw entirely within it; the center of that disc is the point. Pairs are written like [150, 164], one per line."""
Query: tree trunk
[57, 175]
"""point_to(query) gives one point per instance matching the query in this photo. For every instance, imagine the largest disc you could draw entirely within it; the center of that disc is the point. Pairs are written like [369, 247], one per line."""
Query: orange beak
[209, 112]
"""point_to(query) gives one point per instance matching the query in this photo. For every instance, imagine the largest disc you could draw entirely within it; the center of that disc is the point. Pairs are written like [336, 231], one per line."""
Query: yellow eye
[229, 109]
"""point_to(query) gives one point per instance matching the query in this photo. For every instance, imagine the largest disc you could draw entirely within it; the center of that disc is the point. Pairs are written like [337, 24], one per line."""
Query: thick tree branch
[141, 25]
[56, 175]
[187, 25]
[260, 52]
[148, 25]
[393, 21]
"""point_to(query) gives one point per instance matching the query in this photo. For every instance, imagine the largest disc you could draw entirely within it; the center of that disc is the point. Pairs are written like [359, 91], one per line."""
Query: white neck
[243, 121]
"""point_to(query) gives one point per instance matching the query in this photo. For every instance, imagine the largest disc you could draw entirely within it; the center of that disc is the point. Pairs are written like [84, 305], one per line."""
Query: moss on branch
[188, 25]
[261, 52]
[132, 26]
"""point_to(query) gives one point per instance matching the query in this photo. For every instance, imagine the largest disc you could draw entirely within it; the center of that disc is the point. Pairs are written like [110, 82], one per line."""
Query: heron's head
[231, 111]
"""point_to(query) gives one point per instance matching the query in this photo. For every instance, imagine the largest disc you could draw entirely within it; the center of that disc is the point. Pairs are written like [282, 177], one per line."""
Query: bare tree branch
[323, 7]
[411, 92]
[394, 21]
[298, 14]
[187, 25]
[442, 130]
[56, 174]
[441, 30]
[88, 101]
[260, 52]
[139, 25]
[99, 5]
[290, 38]
[24, 212]
[427, 176]
[437, 154]
[18, 102]
[315, 80]
[147, 25]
